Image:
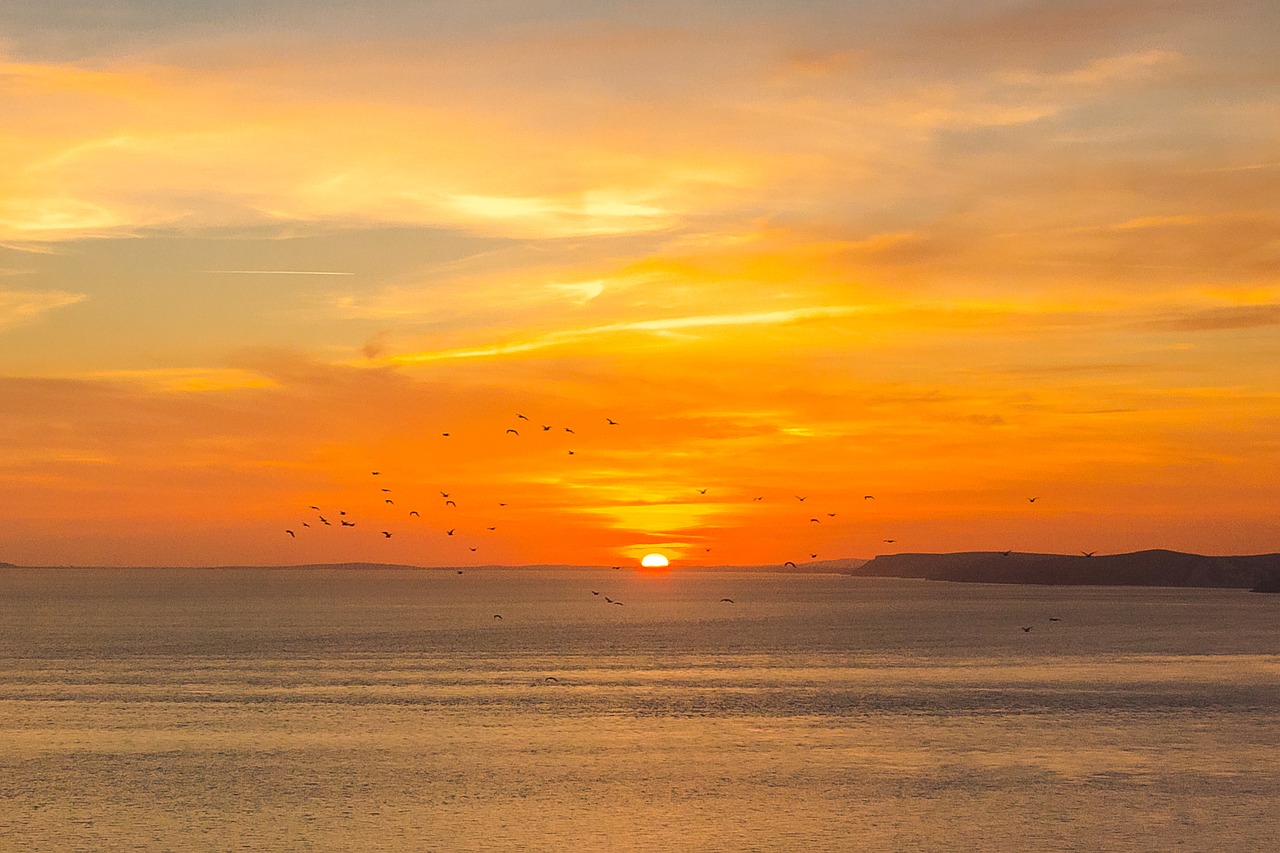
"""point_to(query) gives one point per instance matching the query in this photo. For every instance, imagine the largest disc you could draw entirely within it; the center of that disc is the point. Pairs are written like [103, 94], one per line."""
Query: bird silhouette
[593, 592]
[513, 432]
[390, 501]
[619, 603]
[445, 434]
[891, 541]
[304, 524]
[815, 521]
[1033, 500]
[1055, 619]
[291, 533]
[730, 600]
[450, 531]
[545, 428]
[571, 453]
[1088, 553]
[801, 499]
[608, 600]
[316, 508]
[522, 417]
[386, 534]
[566, 429]
[451, 503]
[346, 523]
[1026, 629]
[444, 494]
[323, 520]
[375, 473]
[611, 421]
[497, 616]
[386, 490]
[791, 564]
[551, 678]
[868, 497]
[459, 571]
[413, 513]
[472, 549]
[758, 499]
[702, 491]
[492, 528]
[813, 556]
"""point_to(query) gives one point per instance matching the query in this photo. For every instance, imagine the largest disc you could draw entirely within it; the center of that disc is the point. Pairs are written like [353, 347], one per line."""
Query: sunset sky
[952, 255]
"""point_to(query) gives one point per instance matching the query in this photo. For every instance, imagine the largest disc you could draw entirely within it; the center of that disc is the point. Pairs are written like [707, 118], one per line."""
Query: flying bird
[413, 513]
[813, 556]
[1026, 628]
[390, 501]
[386, 490]
[891, 540]
[522, 417]
[493, 528]
[815, 521]
[323, 520]
[386, 534]
[730, 600]
[1088, 553]
[291, 533]
[593, 592]
[316, 508]
[831, 515]
[702, 491]
[545, 428]
[375, 473]
[304, 524]
[346, 523]
[801, 499]
[611, 421]
[608, 600]
[445, 434]
[619, 603]
[551, 678]
[758, 499]
[450, 531]
[450, 503]
[868, 497]
[444, 494]
[570, 452]
[566, 429]
[459, 571]
[791, 564]
[497, 616]
[1033, 500]
[473, 549]
[513, 432]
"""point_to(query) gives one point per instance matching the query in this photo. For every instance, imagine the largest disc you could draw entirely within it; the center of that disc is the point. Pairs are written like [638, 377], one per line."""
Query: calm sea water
[276, 710]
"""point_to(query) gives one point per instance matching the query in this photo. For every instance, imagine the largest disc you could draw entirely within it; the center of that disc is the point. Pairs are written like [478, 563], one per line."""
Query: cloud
[1223, 318]
[17, 306]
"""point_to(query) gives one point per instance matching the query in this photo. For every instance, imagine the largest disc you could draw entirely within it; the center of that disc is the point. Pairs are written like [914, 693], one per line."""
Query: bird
[316, 508]
[594, 592]
[566, 429]
[473, 549]
[1033, 500]
[815, 521]
[1088, 553]
[459, 571]
[1055, 618]
[868, 497]
[445, 434]
[444, 494]
[450, 531]
[813, 556]
[497, 616]
[375, 473]
[291, 533]
[521, 417]
[1005, 553]
[801, 499]
[570, 452]
[551, 678]
[413, 513]
[386, 490]
[346, 523]
[730, 600]
[323, 520]
[611, 421]
[758, 499]
[386, 534]
[702, 491]
[501, 504]
[304, 524]
[390, 501]
[891, 540]
[831, 515]
[492, 528]
[513, 432]
[791, 564]
[545, 428]
[619, 603]
[342, 512]
[1026, 629]
[451, 503]
[608, 600]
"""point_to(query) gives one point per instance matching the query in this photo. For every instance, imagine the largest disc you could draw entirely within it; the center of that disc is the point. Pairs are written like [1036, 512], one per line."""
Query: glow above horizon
[745, 256]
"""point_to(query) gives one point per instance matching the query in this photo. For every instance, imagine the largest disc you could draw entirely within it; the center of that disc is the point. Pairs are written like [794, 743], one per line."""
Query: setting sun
[654, 561]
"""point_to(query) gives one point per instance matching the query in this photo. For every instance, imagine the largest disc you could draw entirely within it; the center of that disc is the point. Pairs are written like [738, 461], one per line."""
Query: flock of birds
[326, 517]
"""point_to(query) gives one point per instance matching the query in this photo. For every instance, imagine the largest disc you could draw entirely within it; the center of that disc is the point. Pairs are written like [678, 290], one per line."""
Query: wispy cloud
[665, 326]
[274, 272]
[17, 306]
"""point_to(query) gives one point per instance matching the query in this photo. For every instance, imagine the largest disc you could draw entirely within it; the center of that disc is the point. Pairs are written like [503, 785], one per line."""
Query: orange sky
[950, 255]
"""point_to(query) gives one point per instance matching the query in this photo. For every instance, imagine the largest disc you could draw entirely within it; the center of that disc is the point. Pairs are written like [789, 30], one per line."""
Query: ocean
[385, 710]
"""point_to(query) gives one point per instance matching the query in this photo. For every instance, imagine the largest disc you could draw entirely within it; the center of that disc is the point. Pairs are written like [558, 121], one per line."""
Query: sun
[654, 561]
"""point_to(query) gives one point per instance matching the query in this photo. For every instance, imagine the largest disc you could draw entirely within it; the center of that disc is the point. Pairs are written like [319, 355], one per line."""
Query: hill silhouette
[1141, 568]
